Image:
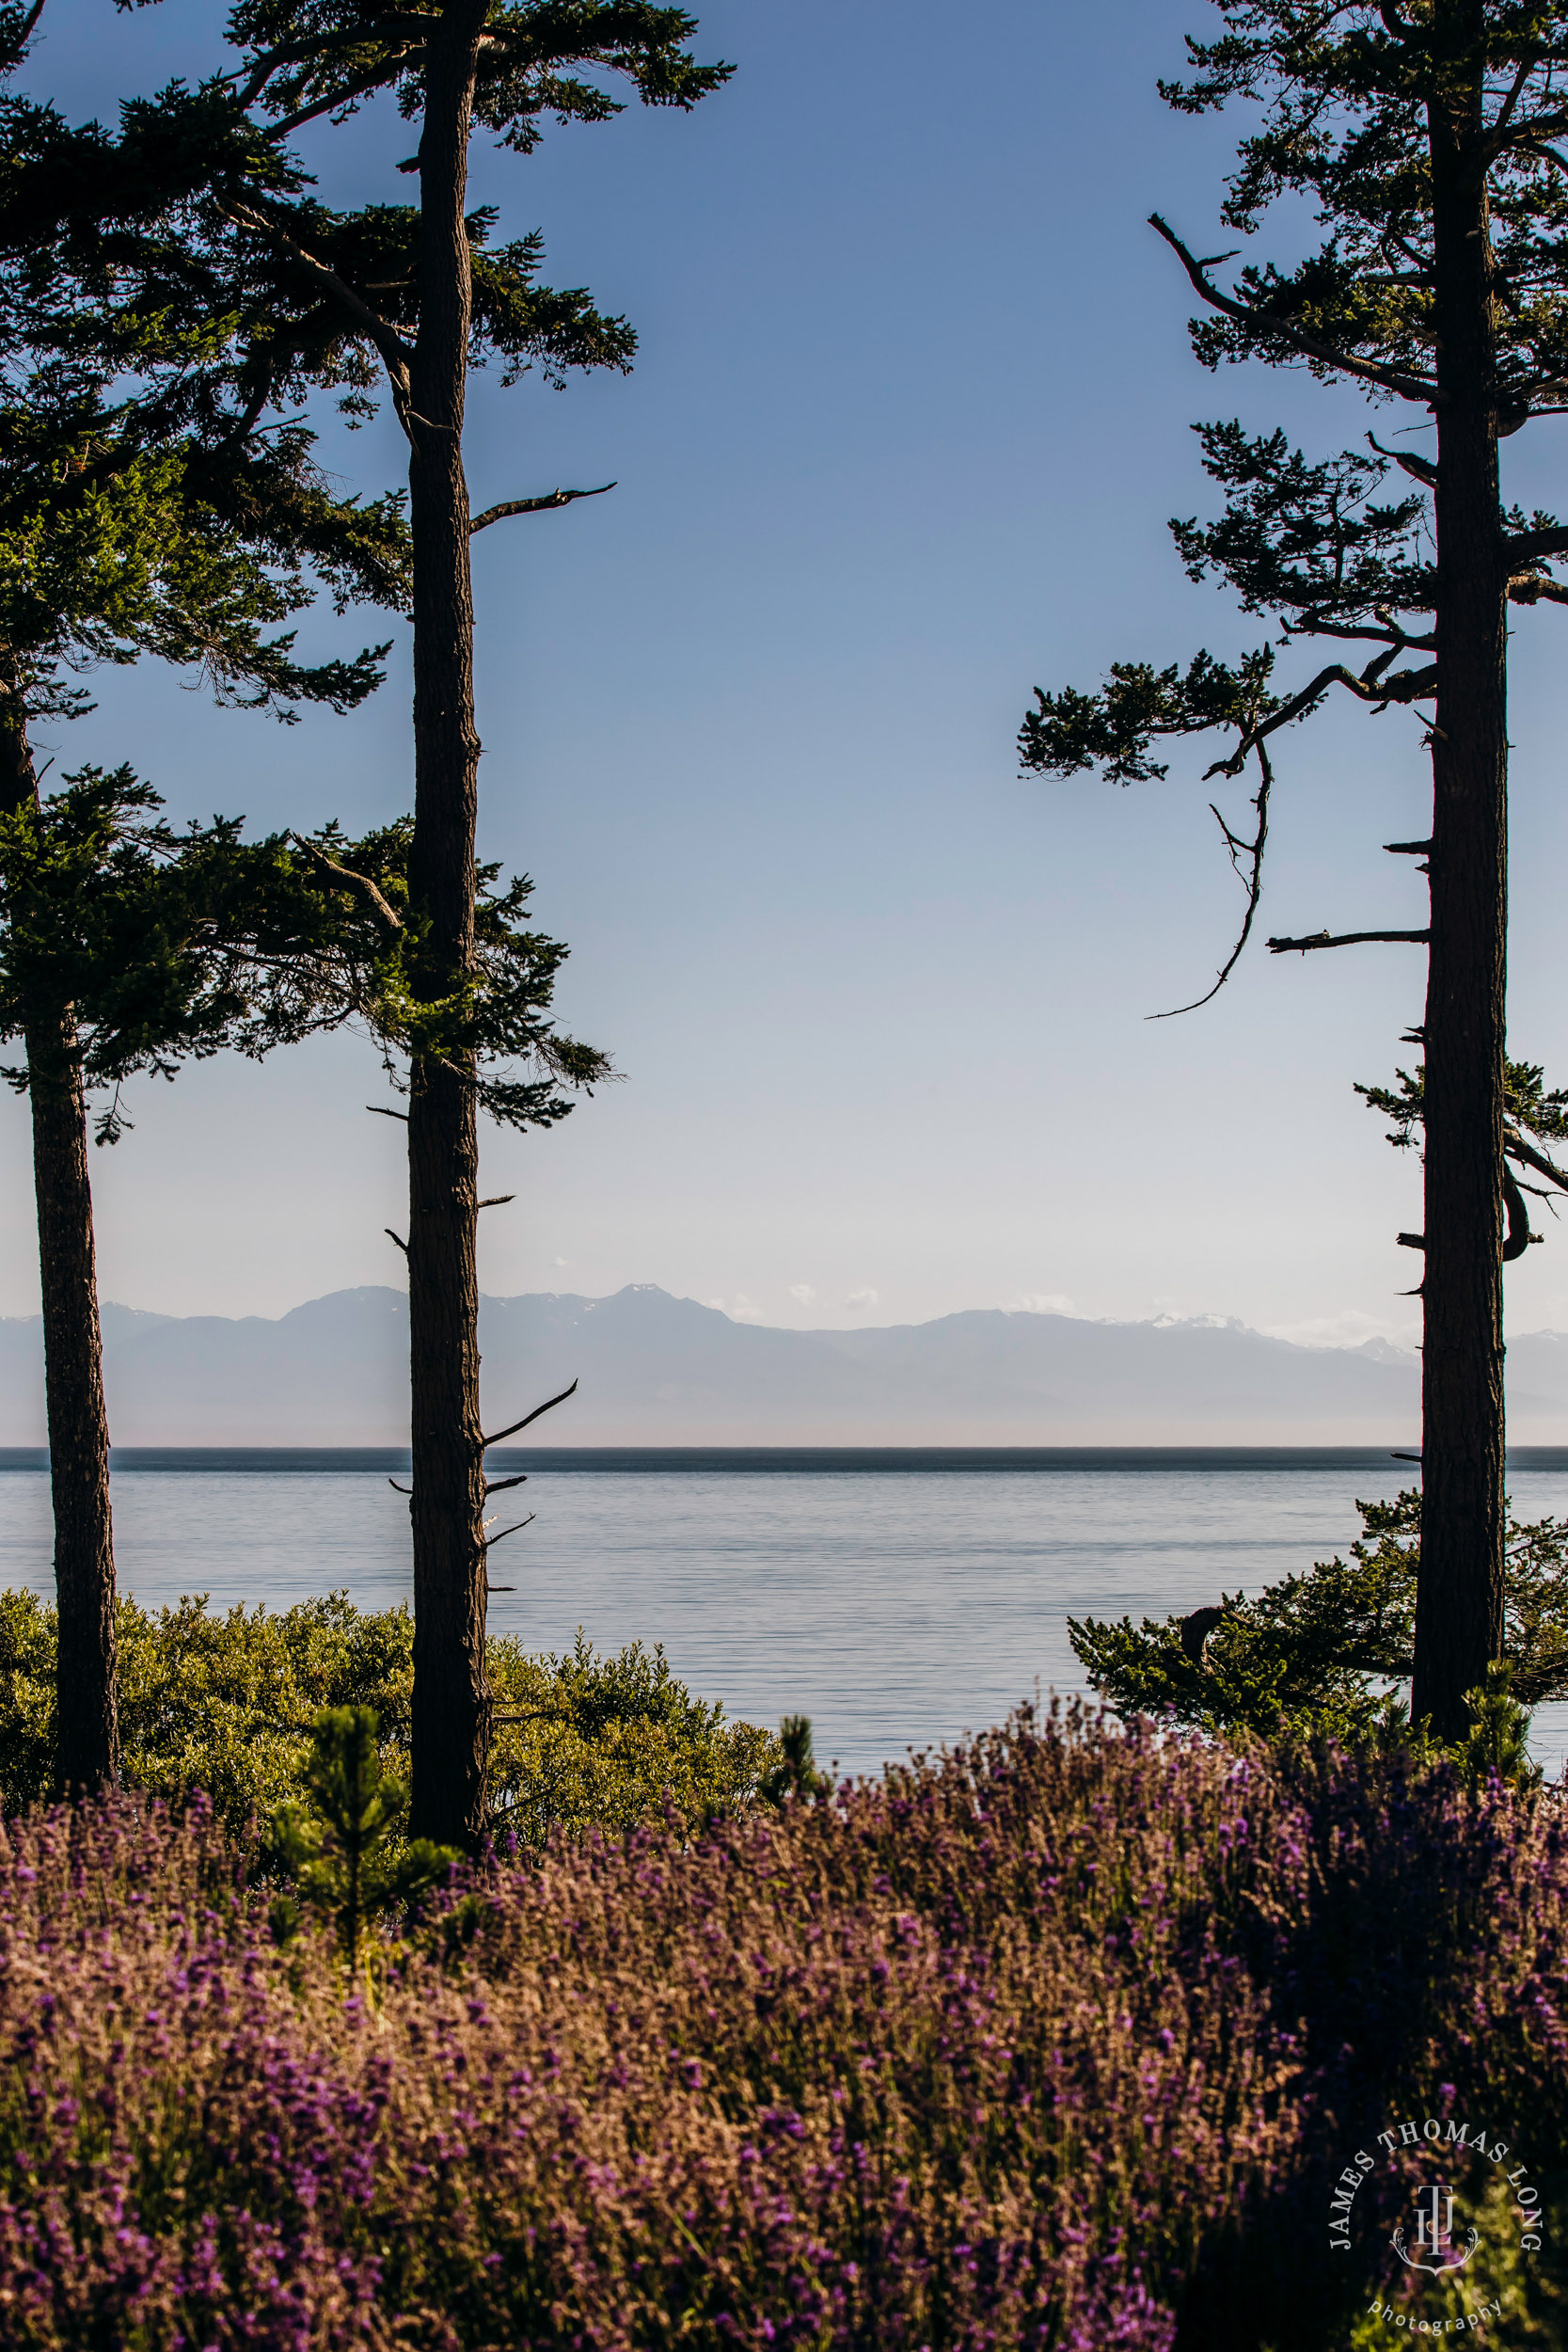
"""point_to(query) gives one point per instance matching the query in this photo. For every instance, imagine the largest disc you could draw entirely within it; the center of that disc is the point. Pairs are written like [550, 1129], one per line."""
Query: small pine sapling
[346, 1855]
[1498, 1742]
[794, 1775]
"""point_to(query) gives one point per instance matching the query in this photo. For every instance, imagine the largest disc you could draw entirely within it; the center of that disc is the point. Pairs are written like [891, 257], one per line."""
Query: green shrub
[583, 1742]
[1329, 1653]
[228, 1703]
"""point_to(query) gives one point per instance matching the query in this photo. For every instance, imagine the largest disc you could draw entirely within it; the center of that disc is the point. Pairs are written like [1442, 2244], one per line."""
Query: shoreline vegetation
[1065, 2037]
[226, 1704]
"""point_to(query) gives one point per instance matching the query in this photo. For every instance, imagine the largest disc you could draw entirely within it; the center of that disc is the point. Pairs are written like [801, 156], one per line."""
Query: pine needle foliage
[499, 1009]
[1329, 1653]
[344, 1850]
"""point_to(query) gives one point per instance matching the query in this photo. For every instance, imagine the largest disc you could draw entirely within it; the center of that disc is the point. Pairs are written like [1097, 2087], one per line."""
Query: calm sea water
[898, 1598]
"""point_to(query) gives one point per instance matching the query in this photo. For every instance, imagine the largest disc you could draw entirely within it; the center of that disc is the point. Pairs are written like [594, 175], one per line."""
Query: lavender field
[1060, 2041]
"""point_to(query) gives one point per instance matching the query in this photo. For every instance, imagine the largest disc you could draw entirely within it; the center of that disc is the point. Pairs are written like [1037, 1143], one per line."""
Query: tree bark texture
[86, 1754]
[452, 1697]
[1459, 1605]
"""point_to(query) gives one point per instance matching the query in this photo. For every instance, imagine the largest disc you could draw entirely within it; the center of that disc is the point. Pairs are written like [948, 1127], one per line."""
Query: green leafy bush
[228, 1703]
[583, 1742]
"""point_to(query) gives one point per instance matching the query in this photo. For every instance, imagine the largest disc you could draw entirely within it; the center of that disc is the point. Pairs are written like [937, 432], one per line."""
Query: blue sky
[911, 410]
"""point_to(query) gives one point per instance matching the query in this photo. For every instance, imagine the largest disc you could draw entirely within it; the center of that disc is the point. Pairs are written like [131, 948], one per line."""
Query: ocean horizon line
[913, 1459]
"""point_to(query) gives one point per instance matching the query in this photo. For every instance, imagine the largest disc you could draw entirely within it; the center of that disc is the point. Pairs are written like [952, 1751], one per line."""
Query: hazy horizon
[754, 1320]
[656, 1370]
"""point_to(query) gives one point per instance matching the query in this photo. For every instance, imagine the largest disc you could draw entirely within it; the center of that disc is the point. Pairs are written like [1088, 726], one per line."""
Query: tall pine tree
[1428, 139]
[422, 294]
[145, 508]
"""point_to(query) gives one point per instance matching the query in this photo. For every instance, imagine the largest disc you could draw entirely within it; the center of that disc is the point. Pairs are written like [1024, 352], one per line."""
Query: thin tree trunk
[1459, 1604]
[88, 1725]
[451, 1697]
[87, 1750]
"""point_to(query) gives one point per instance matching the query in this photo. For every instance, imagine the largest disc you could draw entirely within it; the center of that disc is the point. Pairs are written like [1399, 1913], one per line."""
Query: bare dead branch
[1420, 469]
[500, 1588]
[1407, 848]
[1264, 323]
[385, 1114]
[391, 1236]
[516, 1527]
[500, 1485]
[549, 1406]
[402, 1491]
[533, 506]
[1411, 1241]
[497, 1200]
[1252, 882]
[1345, 938]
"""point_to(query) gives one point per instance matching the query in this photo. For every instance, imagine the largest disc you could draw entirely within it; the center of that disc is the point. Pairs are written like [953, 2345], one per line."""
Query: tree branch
[1528, 1156]
[533, 506]
[1537, 588]
[1345, 938]
[549, 1406]
[1251, 881]
[367, 82]
[397, 1237]
[1497, 139]
[1519, 1236]
[395, 353]
[13, 50]
[517, 1527]
[363, 886]
[500, 1485]
[1420, 469]
[1533, 547]
[1369, 687]
[1388, 634]
[1265, 322]
[376, 1108]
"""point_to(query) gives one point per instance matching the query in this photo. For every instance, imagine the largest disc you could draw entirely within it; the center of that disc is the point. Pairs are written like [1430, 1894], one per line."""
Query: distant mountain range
[654, 1370]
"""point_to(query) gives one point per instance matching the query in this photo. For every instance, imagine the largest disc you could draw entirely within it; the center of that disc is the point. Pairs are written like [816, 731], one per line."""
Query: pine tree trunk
[87, 1737]
[1459, 1604]
[86, 1754]
[452, 1699]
